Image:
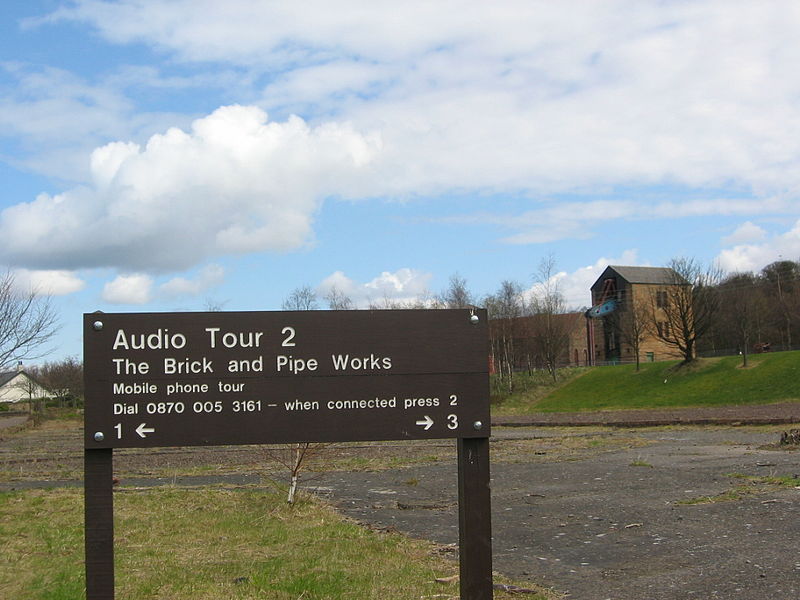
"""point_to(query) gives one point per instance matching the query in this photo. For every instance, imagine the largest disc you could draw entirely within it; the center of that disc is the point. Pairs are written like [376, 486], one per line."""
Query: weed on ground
[211, 543]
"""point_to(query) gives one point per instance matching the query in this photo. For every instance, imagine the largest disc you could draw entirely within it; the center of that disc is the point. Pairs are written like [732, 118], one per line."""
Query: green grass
[732, 495]
[529, 388]
[213, 543]
[707, 382]
[751, 485]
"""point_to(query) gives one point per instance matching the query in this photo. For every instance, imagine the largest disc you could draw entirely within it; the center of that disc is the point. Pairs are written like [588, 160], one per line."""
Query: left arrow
[142, 430]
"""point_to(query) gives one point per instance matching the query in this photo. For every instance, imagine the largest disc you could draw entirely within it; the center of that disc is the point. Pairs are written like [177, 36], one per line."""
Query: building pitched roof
[7, 376]
[651, 275]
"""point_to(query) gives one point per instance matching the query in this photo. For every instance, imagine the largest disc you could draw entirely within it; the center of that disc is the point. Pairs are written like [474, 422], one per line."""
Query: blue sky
[164, 155]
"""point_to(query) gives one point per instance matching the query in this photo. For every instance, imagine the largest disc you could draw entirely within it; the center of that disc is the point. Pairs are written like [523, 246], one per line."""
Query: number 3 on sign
[452, 421]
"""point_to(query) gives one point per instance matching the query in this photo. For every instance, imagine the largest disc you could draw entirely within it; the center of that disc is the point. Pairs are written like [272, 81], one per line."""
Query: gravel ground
[615, 526]
[764, 414]
[12, 421]
[621, 518]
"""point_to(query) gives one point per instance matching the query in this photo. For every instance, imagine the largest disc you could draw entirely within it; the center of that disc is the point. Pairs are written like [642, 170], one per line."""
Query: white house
[18, 386]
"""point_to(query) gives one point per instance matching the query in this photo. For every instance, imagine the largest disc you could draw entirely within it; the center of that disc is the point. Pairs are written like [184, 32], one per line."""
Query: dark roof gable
[7, 376]
[647, 275]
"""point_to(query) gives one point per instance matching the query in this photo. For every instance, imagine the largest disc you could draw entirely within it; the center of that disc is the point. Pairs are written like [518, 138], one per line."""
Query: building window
[663, 329]
[661, 299]
[621, 296]
[651, 357]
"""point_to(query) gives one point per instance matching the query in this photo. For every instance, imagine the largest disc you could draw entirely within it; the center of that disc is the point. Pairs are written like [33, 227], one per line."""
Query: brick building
[532, 342]
[628, 305]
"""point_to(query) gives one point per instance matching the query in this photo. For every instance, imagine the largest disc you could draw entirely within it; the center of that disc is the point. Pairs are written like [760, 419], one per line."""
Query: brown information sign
[188, 379]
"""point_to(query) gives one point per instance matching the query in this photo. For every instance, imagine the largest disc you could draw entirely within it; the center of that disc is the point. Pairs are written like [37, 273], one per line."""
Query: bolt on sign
[185, 379]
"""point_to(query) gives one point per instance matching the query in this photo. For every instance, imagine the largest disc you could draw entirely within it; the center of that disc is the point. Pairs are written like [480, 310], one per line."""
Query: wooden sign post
[200, 379]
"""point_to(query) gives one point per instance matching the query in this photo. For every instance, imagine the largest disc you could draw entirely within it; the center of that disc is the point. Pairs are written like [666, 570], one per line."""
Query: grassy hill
[708, 382]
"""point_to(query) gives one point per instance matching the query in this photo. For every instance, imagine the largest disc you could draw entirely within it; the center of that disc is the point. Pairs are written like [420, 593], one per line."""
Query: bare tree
[421, 301]
[64, 378]
[338, 300]
[744, 303]
[456, 295]
[686, 308]
[505, 309]
[301, 298]
[386, 303]
[551, 330]
[633, 324]
[783, 278]
[295, 458]
[35, 393]
[214, 305]
[27, 322]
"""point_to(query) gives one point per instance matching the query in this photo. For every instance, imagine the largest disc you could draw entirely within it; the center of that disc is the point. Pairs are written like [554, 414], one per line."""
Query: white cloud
[577, 220]
[52, 283]
[754, 257]
[235, 183]
[404, 286]
[57, 118]
[564, 220]
[524, 97]
[129, 289]
[210, 276]
[575, 286]
[746, 232]
[518, 94]
[340, 282]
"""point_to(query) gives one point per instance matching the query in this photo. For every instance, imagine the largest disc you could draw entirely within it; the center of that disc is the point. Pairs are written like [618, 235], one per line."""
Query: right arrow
[426, 422]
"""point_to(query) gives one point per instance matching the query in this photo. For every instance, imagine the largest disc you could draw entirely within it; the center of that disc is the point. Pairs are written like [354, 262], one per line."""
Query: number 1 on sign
[118, 427]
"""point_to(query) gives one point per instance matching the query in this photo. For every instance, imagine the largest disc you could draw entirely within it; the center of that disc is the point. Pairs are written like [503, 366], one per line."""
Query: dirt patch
[574, 509]
[54, 451]
[11, 423]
